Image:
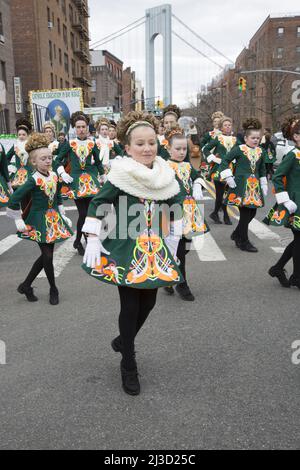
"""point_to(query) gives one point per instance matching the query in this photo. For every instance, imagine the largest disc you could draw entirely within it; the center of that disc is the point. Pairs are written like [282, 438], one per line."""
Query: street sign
[18, 95]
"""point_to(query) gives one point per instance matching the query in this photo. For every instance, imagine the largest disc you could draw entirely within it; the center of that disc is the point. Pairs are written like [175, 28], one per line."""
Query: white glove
[12, 169]
[213, 158]
[63, 214]
[290, 206]
[64, 175]
[264, 188]
[197, 191]
[21, 226]
[92, 255]
[231, 182]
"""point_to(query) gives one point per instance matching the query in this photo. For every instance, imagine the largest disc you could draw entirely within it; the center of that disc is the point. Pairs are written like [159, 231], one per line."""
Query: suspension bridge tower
[159, 21]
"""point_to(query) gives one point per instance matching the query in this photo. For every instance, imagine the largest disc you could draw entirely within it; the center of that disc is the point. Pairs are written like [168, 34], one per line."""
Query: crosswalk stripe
[8, 242]
[62, 256]
[207, 249]
[278, 249]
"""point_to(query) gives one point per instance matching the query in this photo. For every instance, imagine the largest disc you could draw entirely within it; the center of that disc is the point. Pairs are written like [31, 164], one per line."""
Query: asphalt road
[215, 374]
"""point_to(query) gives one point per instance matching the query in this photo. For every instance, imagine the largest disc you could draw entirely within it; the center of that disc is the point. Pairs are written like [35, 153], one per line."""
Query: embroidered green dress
[85, 167]
[209, 136]
[4, 179]
[287, 179]
[270, 152]
[44, 221]
[193, 222]
[221, 146]
[23, 168]
[249, 168]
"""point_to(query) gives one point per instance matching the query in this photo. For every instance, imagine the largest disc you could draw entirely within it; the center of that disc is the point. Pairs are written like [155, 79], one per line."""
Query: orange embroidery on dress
[82, 150]
[87, 186]
[183, 172]
[192, 218]
[109, 270]
[49, 186]
[20, 178]
[252, 194]
[228, 141]
[55, 228]
[233, 199]
[32, 234]
[3, 196]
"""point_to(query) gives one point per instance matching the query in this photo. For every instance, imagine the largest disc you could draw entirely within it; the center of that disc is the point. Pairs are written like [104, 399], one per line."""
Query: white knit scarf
[157, 183]
[105, 144]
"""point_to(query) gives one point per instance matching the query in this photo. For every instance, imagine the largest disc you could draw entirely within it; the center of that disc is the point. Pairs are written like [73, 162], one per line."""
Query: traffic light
[159, 104]
[242, 84]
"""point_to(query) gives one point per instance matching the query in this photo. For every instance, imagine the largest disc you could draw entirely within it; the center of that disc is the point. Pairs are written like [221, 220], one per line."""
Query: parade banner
[56, 106]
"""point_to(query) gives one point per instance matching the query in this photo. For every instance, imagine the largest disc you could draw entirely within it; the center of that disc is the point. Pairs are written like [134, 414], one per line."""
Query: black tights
[246, 216]
[136, 304]
[45, 261]
[181, 254]
[220, 189]
[82, 207]
[292, 251]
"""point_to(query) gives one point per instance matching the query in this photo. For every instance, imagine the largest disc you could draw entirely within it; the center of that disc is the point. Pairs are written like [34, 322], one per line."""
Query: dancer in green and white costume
[5, 184]
[46, 222]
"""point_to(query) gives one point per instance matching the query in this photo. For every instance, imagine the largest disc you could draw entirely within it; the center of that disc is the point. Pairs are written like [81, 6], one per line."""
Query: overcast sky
[227, 25]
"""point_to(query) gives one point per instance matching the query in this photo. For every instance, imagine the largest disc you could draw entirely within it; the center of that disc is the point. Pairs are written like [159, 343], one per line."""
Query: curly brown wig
[24, 124]
[174, 132]
[217, 115]
[252, 124]
[79, 116]
[131, 118]
[102, 122]
[290, 127]
[172, 109]
[36, 141]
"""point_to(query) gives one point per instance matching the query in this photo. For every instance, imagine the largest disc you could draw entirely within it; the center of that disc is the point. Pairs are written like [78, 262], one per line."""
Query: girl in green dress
[190, 192]
[5, 184]
[108, 149]
[209, 136]
[85, 166]
[136, 256]
[220, 146]
[46, 223]
[270, 152]
[248, 186]
[286, 212]
[18, 159]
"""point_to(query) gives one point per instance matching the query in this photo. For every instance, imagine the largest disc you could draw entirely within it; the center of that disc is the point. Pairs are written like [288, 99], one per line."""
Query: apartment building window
[56, 82]
[65, 35]
[52, 81]
[60, 56]
[94, 86]
[298, 49]
[63, 6]
[3, 72]
[50, 52]
[72, 42]
[66, 62]
[73, 67]
[58, 25]
[280, 32]
[61, 83]
[71, 14]
[279, 52]
[54, 51]
[67, 84]
[298, 32]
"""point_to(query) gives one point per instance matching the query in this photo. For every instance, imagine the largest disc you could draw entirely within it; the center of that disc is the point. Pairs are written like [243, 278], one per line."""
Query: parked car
[283, 146]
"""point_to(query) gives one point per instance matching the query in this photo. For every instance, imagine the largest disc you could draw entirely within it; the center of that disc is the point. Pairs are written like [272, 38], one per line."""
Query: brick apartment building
[51, 44]
[276, 46]
[107, 80]
[7, 71]
[129, 90]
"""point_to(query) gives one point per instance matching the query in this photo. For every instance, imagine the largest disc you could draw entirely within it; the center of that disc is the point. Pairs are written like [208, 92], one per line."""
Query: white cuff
[282, 197]
[92, 225]
[198, 181]
[226, 174]
[210, 158]
[14, 214]
[60, 170]
[263, 181]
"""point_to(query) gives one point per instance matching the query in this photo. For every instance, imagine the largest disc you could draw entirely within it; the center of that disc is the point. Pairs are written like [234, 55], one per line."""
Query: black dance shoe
[215, 217]
[247, 246]
[227, 220]
[28, 291]
[169, 290]
[116, 344]
[184, 292]
[78, 246]
[54, 296]
[130, 381]
[294, 281]
[281, 276]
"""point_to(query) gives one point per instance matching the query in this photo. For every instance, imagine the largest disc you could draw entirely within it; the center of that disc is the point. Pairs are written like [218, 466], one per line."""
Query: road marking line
[8, 242]
[62, 256]
[207, 249]
[278, 249]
